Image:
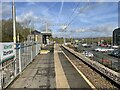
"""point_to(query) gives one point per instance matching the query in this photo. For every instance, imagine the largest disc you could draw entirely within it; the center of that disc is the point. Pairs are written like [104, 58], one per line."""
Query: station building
[40, 37]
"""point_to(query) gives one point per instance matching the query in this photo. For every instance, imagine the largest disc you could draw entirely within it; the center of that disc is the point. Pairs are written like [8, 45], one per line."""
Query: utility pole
[14, 33]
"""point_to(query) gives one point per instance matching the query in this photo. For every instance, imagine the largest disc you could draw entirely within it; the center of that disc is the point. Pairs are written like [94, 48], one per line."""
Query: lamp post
[14, 29]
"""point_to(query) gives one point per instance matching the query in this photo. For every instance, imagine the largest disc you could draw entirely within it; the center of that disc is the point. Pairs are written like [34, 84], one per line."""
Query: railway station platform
[50, 70]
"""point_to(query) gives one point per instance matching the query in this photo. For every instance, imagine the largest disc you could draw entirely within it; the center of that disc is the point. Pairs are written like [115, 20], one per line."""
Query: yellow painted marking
[44, 51]
[14, 38]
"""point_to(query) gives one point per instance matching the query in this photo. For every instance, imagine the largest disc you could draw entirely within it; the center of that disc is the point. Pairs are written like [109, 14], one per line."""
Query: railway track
[96, 78]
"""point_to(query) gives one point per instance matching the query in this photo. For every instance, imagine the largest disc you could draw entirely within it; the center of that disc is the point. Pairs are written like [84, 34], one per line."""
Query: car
[103, 49]
[115, 53]
[88, 54]
[116, 47]
[110, 49]
[98, 49]
[85, 44]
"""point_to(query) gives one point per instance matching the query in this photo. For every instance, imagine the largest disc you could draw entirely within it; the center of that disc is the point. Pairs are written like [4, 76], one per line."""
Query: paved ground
[61, 80]
[50, 70]
[39, 74]
[75, 80]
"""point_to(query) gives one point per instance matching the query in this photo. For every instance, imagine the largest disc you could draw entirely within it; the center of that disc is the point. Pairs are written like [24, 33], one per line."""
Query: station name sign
[6, 51]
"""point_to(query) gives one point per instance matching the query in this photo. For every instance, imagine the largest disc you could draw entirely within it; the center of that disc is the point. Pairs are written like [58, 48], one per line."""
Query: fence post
[20, 66]
[31, 54]
[15, 63]
[36, 49]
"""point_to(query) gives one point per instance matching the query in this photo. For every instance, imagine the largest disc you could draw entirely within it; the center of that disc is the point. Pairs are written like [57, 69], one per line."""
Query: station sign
[7, 51]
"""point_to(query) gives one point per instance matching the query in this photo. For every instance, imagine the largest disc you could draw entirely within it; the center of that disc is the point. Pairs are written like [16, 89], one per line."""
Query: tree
[7, 31]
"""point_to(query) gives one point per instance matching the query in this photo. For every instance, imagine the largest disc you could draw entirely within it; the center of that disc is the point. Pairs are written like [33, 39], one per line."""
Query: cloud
[6, 10]
[97, 31]
[61, 8]
[79, 30]
[28, 18]
[97, 17]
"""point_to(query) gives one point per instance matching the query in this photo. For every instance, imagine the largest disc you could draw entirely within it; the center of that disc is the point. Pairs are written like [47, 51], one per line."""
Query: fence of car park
[11, 68]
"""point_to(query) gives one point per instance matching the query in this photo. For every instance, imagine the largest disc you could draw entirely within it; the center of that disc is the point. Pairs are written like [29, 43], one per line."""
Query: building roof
[35, 32]
[116, 30]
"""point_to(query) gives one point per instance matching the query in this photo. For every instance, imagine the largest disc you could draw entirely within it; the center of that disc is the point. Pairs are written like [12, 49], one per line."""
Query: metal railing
[10, 69]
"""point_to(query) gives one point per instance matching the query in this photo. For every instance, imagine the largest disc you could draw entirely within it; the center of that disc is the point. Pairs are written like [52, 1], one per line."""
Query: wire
[74, 17]
[75, 9]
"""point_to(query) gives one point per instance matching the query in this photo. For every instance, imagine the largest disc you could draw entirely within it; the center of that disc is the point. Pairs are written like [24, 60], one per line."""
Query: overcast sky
[93, 19]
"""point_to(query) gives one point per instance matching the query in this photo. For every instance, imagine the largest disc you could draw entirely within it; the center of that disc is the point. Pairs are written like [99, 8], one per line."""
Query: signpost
[6, 51]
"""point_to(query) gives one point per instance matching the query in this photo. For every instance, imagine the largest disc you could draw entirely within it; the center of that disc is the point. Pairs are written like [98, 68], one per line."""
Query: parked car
[97, 49]
[101, 50]
[116, 47]
[115, 53]
[86, 45]
[88, 54]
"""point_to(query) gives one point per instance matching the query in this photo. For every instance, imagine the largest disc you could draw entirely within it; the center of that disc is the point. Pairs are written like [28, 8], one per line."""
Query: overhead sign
[7, 51]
